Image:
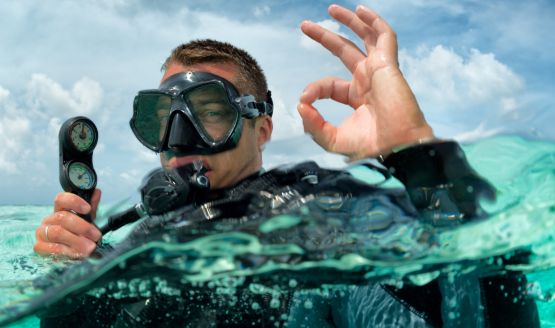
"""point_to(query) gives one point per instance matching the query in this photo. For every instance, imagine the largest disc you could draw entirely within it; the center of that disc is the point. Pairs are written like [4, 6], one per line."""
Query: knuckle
[37, 233]
[48, 218]
[89, 248]
[55, 232]
[58, 198]
[93, 233]
[56, 249]
[84, 248]
[66, 218]
[60, 215]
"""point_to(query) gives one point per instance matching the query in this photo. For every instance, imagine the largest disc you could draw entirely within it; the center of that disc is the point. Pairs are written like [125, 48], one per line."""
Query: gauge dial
[82, 135]
[81, 176]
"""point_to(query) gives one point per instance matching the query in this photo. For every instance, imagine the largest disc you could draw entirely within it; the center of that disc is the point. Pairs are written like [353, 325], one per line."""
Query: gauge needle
[82, 135]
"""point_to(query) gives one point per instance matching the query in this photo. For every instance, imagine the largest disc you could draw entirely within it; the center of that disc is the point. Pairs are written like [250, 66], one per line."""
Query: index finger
[69, 201]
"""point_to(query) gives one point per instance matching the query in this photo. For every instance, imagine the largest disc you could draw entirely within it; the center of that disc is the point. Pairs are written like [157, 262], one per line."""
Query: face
[229, 167]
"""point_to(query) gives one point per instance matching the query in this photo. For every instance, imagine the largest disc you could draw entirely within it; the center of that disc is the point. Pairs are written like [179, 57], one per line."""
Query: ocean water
[523, 216]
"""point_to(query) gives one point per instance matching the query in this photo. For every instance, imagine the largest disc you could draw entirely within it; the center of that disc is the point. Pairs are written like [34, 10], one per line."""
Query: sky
[477, 68]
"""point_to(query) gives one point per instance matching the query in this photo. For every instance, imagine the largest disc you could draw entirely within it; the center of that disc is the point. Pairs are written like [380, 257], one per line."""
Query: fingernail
[361, 7]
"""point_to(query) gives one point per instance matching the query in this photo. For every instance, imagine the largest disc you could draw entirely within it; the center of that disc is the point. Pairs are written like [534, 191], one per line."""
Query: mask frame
[182, 121]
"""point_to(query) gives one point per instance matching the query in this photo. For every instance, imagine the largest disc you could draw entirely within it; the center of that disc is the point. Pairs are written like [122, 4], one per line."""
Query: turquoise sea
[523, 217]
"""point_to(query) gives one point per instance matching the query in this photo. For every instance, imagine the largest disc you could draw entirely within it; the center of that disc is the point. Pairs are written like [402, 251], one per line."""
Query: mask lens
[151, 118]
[211, 108]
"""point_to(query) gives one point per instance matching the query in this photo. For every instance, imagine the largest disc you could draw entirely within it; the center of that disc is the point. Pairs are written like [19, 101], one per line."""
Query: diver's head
[231, 149]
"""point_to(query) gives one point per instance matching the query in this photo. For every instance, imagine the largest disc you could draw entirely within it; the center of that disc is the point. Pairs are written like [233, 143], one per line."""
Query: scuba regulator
[161, 190]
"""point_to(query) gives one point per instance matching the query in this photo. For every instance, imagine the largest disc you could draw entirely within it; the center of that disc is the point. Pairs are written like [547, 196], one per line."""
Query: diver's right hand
[65, 233]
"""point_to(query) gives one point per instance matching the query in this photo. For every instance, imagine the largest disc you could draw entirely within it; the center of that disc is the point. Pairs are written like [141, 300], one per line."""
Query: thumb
[95, 200]
[323, 132]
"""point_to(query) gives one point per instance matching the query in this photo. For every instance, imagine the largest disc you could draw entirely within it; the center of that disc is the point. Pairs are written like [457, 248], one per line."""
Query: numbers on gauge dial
[81, 175]
[82, 135]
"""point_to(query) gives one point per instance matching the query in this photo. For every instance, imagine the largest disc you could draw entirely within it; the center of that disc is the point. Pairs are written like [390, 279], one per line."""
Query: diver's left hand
[386, 113]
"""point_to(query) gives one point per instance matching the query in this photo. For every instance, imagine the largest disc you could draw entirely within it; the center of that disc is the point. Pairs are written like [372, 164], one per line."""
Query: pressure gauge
[82, 135]
[78, 137]
[81, 176]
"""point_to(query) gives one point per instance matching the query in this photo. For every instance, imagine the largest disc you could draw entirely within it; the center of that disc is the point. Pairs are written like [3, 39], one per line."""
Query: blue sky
[478, 68]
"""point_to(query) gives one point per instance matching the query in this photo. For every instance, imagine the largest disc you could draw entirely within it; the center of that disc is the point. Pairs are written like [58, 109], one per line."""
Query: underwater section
[295, 258]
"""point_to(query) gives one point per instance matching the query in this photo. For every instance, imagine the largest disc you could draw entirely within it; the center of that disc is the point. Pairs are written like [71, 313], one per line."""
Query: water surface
[523, 217]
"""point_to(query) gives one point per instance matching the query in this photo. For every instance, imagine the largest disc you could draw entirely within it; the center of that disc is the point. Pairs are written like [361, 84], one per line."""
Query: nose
[182, 134]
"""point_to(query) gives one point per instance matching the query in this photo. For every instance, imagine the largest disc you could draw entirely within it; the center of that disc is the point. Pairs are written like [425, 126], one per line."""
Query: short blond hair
[251, 79]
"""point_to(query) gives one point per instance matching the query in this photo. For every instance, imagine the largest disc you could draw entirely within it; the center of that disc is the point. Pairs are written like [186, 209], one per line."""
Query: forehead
[227, 71]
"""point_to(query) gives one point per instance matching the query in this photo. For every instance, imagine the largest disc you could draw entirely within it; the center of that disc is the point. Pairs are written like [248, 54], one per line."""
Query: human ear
[264, 128]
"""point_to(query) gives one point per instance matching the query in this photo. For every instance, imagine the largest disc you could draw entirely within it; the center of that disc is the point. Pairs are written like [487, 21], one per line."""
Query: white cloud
[479, 132]
[442, 76]
[261, 11]
[4, 94]
[465, 89]
[29, 125]
[15, 133]
[509, 104]
[387, 7]
[131, 176]
[49, 97]
[328, 24]
[522, 28]
[287, 122]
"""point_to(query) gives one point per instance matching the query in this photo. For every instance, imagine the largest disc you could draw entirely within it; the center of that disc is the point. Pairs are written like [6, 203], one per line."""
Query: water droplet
[308, 304]
[274, 303]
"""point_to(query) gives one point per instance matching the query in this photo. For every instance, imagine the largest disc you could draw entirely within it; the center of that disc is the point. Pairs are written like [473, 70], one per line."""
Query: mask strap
[251, 109]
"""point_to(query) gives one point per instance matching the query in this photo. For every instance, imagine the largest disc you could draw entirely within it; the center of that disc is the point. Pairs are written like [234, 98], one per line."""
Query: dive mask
[193, 113]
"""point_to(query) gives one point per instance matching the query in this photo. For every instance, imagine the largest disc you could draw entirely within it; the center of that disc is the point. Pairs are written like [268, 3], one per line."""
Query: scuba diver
[213, 106]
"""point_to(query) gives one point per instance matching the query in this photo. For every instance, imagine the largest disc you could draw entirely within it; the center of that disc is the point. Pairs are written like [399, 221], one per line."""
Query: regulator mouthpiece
[198, 178]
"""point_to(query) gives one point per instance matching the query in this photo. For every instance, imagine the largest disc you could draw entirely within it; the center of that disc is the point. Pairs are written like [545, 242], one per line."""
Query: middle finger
[58, 235]
[366, 32]
[74, 224]
[341, 47]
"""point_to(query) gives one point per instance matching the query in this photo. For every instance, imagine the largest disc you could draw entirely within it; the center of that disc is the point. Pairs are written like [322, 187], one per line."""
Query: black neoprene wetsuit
[443, 191]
